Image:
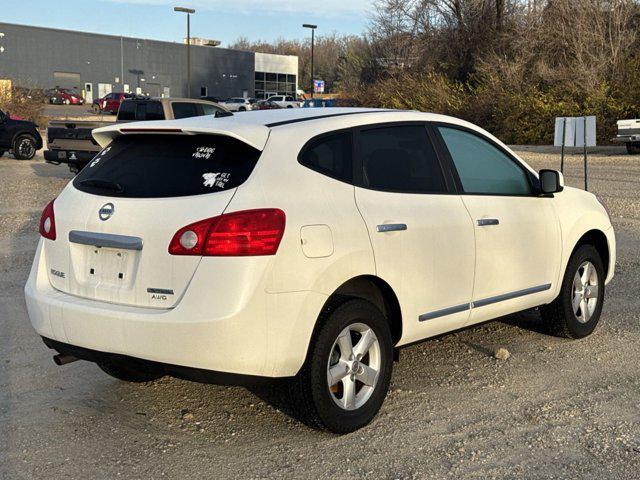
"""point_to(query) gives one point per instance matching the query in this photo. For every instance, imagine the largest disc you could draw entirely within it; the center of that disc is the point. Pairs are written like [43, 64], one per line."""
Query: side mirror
[551, 181]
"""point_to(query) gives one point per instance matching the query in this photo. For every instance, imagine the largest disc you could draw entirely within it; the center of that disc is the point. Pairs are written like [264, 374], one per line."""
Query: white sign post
[575, 132]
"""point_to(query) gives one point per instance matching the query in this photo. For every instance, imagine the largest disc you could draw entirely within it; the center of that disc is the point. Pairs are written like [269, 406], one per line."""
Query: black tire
[242, 109]
[310, 396]
[24, 147]
[633, 148]
[2, 152]
[559, 315]
[129, 372]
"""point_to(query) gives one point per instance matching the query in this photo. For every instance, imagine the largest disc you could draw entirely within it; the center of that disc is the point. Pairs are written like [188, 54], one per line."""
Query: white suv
[238, 104]
[308, 244]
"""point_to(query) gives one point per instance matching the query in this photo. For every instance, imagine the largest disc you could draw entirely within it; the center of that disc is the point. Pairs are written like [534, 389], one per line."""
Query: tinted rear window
[132, 110]
[400, 159]
[184, 110]
[127, 111]
[330, 155]
[155, 166]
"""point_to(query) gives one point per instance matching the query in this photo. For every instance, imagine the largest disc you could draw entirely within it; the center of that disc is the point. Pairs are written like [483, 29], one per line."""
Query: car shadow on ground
[47, 170]
[527, 320]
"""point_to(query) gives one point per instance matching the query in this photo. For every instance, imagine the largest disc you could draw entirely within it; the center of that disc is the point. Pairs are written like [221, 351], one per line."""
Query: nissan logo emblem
[106, 211]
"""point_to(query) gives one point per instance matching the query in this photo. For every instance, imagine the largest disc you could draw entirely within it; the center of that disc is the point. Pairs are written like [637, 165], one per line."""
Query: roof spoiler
[253, 135]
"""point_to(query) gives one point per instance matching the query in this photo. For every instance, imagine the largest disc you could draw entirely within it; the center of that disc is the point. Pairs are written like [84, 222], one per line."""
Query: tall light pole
[313, 29]
[188, 11]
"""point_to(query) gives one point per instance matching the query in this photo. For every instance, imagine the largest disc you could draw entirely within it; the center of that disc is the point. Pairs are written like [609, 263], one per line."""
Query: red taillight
[48, 222]
[236, 234]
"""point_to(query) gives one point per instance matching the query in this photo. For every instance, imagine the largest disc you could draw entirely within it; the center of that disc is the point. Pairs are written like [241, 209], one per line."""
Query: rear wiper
[102, 184]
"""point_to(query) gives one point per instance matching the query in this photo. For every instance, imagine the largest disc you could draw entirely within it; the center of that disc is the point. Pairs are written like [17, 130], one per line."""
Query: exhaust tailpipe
[62, 359]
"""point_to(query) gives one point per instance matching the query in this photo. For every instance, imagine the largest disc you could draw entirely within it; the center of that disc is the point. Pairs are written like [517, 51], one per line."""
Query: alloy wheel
[585, 292]
[26, 149]
[353, 366]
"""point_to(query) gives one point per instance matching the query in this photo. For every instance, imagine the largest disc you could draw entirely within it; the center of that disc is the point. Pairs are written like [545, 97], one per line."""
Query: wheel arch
[23, 131]
[375, 290]
[598, 240]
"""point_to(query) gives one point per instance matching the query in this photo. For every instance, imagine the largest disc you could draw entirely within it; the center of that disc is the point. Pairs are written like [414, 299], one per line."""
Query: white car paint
[256, 315]
[237, 104]
[285, 101]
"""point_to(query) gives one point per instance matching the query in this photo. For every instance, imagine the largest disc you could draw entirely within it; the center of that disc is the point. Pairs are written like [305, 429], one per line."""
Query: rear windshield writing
[146, 166]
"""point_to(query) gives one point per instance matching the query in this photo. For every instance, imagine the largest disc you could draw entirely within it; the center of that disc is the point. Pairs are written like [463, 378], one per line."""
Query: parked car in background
[238, 104]
[111, 102]
[307, 246]
[285, 101]
[20, 137]
[72, 143]
[65, 96]
[629, 134]
[265, 105]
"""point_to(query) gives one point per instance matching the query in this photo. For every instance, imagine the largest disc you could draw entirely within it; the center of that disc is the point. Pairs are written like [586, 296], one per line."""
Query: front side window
[483, 168]
[400, 159]
[158, 166]
[330, 155]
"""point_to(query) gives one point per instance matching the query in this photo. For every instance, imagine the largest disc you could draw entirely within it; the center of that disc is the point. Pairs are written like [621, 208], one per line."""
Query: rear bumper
[78, 159]
[626, 138]
[178, 371]
[611, 241]
[75, 160]
[261, 334]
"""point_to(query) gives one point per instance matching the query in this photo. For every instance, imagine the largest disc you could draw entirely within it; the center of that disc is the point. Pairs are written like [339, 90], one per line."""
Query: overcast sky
[224, 20]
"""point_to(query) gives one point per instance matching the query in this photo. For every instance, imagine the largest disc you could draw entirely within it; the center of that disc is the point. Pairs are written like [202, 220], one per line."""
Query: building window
[270, 83]
[203, 91]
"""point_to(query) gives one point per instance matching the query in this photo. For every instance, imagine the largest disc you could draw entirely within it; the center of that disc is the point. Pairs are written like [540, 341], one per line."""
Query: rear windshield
[155, 166]
[132, 110]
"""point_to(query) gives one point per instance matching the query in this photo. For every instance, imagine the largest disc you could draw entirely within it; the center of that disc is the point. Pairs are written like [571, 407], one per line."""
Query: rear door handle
[484, 222]
[392, 227]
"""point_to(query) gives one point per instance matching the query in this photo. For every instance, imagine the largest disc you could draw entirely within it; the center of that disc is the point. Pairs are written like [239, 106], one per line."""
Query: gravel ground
[554, 409]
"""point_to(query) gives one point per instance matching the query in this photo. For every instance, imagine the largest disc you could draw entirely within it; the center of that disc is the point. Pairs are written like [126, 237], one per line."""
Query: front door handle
[484, 222]
[392, 227]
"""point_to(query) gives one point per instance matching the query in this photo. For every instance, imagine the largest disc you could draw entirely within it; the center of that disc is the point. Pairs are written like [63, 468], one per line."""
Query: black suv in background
[19, 136]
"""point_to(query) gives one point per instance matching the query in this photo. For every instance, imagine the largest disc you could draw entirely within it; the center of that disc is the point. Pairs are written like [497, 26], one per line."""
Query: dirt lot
[554, 409]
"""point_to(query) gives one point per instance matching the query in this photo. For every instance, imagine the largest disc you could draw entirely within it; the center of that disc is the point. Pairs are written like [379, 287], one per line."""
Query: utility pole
[313, 29]
[122, 62]
[188, 11]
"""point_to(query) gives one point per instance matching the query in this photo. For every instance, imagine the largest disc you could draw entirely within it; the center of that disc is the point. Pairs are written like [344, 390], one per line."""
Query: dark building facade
[98, 64]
